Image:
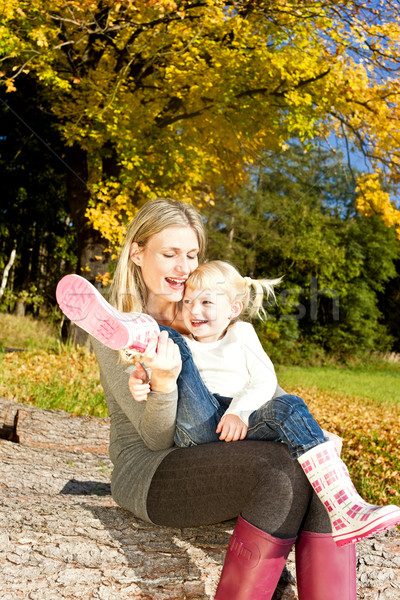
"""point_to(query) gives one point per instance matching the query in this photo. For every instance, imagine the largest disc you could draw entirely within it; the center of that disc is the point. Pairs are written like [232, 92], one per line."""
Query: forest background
[278, 120]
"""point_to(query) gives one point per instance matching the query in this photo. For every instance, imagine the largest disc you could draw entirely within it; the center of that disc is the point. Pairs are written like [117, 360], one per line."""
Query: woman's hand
[231, 428]
[164, 359]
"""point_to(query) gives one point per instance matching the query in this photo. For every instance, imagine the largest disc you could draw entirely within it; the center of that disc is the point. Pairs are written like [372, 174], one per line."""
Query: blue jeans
[283, 419]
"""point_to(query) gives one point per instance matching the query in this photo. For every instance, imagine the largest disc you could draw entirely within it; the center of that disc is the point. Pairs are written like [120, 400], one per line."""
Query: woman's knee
[281, 495]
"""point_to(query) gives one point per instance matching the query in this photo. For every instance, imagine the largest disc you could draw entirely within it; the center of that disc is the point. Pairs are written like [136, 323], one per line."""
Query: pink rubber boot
[253, 564]
[351, 517]
[86, 307]
[323, 570]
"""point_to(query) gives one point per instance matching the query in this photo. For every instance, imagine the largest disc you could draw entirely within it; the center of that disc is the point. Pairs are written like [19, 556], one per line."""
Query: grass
[48, 374]
[378, 381]
[66, 379]
[27, 332]
[361, 404]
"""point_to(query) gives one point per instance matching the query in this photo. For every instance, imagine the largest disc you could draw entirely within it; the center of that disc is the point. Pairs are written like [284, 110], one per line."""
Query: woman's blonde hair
[128, 291]
[223, 276]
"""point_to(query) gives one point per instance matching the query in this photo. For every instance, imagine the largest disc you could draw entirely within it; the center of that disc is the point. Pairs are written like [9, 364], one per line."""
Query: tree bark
[53, 429]
[7, 270]
[91, 245]
[92, 260]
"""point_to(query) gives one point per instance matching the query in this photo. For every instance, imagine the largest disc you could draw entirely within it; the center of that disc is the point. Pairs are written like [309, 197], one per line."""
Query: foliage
[28, 296]
[389, 305]
[297, 219]
[173, 97]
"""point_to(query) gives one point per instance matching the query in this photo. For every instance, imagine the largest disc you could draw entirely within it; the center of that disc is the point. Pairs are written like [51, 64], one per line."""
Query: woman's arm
[154, 420]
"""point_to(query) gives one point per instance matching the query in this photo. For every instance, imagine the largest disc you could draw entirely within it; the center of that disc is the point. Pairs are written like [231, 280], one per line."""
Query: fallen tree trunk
[53, 429]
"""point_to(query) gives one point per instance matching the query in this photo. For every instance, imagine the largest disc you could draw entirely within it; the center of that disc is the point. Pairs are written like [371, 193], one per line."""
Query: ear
[135, 254]
[236, 308]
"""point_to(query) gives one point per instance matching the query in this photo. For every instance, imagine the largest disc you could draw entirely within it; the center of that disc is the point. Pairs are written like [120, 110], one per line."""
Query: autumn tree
[296, 218]
[175, 97]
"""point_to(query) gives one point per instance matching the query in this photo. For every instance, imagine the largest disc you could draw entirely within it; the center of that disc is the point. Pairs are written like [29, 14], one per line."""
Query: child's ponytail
[258, 289]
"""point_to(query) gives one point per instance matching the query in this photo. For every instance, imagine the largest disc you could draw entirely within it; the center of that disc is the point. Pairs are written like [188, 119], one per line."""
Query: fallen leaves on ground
[69, 377]
[371, 434]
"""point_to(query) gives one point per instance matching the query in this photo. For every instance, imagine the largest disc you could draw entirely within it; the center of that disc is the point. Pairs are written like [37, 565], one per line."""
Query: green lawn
[380, 381]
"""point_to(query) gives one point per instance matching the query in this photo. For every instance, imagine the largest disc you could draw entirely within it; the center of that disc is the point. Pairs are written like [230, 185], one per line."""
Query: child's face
[207, 313]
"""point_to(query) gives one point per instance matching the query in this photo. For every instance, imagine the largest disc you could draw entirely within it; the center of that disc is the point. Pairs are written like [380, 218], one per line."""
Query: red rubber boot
[324, 570]
[253, 564]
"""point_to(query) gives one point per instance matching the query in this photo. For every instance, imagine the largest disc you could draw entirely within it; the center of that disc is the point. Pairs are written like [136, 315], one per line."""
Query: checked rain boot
[86, 307]
[351, 517]
[253, 564]
[323, 570]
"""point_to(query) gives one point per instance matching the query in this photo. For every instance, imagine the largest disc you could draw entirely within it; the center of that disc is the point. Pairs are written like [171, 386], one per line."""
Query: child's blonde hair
[225, 277]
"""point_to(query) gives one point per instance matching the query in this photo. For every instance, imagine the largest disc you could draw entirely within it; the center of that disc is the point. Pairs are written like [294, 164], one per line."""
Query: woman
[186, 487]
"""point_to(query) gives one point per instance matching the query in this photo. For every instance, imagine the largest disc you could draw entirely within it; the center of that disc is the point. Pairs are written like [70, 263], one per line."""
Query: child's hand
[231, 428]
[139, 383]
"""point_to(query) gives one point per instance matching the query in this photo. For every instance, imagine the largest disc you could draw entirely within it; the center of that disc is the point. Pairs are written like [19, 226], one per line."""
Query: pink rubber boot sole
[86, 307]
[386, 517]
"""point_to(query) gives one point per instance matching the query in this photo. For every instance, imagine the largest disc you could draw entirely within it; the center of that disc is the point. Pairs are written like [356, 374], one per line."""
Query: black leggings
[216, 482]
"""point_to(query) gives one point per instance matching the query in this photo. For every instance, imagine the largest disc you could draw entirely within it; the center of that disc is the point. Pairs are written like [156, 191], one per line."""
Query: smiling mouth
[198, 323]
[175, 283]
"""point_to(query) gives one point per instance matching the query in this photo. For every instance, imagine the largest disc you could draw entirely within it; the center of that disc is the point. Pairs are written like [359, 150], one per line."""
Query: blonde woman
[255, 481]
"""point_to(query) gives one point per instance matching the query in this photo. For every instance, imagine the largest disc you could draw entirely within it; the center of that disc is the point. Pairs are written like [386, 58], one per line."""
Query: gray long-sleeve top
[141, 433]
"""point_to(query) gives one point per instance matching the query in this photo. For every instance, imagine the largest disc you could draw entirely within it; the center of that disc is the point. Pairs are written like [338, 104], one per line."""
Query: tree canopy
[176, 97]
[296, 218]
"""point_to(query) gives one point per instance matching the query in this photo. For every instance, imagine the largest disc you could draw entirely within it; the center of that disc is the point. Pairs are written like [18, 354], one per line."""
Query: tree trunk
[53, 429]
[91, 245]
[92, 260]
[19, 309]
[7, 270]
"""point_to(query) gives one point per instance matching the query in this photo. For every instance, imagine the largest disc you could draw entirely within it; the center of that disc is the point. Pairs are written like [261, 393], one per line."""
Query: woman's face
[167, 261]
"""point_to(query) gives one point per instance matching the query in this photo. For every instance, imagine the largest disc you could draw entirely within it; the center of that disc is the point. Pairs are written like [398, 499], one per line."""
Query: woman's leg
[323, 569]
[215, 482]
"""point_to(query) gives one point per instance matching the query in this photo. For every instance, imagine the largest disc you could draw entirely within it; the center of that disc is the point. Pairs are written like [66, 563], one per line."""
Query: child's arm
[262, 378]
